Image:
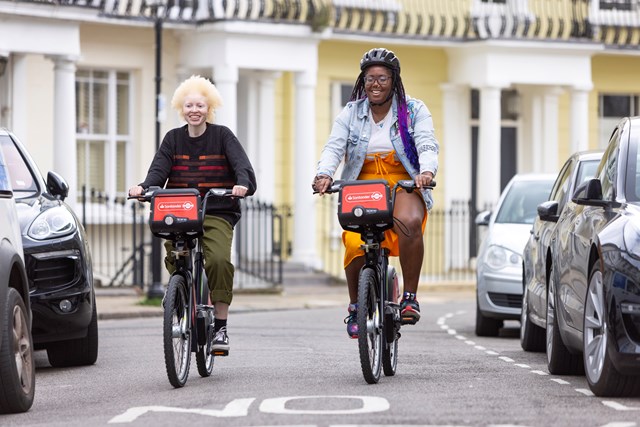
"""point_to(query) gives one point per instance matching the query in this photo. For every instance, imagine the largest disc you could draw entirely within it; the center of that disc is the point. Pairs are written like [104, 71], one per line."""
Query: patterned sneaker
[220, 345]
[352, 321]
[409, 309]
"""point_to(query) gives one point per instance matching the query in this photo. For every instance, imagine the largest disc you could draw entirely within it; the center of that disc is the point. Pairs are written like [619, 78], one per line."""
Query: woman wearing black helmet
[384, 134]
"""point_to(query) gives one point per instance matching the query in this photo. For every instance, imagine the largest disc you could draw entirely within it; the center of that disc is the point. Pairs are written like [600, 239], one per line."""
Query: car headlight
[499, 257]
[52, 223]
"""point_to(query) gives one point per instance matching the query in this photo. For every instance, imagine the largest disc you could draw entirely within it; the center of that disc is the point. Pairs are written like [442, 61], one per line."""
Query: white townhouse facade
[513, 85]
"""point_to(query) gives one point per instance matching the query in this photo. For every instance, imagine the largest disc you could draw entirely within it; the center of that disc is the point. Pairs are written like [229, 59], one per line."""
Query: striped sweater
[213, 160]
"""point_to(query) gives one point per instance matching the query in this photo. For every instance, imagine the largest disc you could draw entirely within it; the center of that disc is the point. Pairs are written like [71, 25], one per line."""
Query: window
[612, 108]
[617, 4]
[103, 109]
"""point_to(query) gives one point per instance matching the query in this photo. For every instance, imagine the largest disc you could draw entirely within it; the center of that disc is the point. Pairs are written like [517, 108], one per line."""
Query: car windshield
[22, 179]
[519, 205]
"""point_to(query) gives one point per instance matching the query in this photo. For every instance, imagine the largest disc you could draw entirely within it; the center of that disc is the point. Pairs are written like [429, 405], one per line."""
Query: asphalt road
[297, 367]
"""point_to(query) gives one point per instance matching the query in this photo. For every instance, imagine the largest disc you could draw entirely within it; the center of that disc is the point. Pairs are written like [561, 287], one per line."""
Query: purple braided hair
[403, 114]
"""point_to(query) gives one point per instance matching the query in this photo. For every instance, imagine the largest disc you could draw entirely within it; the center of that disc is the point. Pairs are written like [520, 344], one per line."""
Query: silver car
[499, 261]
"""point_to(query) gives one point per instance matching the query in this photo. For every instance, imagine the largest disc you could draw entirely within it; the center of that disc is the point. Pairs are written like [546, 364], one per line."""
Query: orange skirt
[379, 166]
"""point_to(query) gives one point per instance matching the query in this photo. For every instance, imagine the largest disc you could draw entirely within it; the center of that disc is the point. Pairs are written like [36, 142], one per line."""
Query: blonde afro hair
[197, 84]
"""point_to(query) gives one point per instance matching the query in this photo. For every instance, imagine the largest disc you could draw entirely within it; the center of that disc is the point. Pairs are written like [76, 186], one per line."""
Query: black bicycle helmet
[380, 56]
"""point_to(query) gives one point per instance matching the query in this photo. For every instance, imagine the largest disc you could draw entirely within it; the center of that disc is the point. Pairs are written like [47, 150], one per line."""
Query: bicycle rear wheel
[176, 332]
[391, 325]
[369, 326]
[390, 349]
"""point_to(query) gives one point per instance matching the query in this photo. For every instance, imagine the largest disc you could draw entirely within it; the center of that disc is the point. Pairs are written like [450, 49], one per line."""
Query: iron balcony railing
[615, 23]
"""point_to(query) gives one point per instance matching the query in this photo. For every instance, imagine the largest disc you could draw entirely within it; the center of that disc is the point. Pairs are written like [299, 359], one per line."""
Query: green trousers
[216, 243]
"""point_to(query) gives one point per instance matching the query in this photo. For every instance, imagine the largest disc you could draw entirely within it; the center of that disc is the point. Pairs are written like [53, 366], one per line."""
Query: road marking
[492, 353]
[460, 337]
[522, 365]
[451, 331]
[470, 342]
[560, 381]
[619, 406]
[585, 391]
[541, 373]
[506, 359]
[369, 404]
[620, 424]
[479, 347]
[235, 408]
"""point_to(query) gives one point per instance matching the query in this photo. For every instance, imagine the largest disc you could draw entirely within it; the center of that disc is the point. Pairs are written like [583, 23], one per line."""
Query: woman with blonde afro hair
[204, 155]
[201, 85]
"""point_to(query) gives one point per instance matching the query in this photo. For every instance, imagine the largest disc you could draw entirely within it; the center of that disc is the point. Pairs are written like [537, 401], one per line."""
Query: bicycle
[178, 215]
[366, 207]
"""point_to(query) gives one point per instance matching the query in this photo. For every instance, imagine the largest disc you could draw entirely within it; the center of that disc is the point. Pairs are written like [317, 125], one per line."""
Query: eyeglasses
[382, 80]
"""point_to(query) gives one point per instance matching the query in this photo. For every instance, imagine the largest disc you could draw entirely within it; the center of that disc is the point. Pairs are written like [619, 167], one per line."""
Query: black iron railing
[120, 241]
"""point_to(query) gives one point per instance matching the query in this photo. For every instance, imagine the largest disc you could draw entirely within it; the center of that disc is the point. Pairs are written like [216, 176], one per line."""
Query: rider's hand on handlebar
[239, 190]
[321, 183]
[424, 179]
[136, 191]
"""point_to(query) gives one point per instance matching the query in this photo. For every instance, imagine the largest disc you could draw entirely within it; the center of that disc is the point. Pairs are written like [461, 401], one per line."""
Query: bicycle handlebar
[407, 184]
[217, 192]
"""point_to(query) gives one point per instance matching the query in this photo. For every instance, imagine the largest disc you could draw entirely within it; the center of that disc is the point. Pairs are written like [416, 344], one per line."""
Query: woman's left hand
[239, 190]
[424, 179]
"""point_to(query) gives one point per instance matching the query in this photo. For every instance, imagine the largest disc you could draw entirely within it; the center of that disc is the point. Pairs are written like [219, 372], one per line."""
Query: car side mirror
[589, 193]
[548, 211]
[57, 186]
[483, 218]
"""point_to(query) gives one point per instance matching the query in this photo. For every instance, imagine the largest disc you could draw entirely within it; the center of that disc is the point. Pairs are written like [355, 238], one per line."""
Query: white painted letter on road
[369, 404]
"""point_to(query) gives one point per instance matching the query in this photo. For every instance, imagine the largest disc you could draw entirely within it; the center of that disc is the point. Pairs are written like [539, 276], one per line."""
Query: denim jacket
[350, 134]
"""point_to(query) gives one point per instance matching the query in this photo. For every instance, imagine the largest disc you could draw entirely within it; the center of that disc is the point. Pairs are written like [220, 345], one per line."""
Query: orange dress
[379, 166]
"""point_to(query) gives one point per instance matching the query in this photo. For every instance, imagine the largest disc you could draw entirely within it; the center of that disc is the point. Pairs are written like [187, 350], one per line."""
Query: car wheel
[559, 360]
[79, 352]
[17, 368]
[603, 378]
[532, 336]
[486, 326]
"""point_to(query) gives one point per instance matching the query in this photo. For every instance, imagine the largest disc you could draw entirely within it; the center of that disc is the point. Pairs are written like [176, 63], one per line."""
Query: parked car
[593, 303]
[499, 261]
[537, 255]
[17, 368]
[58, 261]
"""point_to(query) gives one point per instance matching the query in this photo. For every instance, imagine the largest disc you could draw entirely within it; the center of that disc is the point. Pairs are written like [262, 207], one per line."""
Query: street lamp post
[156, 290]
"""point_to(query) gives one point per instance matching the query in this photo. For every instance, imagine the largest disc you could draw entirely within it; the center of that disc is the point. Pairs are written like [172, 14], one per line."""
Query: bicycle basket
[365, 204]
[176, 212]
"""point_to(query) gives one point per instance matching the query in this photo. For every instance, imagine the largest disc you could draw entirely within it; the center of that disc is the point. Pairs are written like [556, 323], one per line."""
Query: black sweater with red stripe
[214, 159]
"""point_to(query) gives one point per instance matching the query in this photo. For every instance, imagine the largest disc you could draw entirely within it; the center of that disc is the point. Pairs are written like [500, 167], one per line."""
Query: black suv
[58, 261]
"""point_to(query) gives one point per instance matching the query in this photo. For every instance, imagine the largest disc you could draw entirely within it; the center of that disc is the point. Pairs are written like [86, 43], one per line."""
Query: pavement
[299, 290]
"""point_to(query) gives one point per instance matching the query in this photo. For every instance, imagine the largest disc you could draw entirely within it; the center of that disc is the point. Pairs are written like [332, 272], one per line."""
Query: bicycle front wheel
[204, 358]
[176, 331]
[369, 325]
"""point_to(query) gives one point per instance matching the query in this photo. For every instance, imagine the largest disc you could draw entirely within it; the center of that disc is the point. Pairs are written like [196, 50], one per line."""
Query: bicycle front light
[52, 223]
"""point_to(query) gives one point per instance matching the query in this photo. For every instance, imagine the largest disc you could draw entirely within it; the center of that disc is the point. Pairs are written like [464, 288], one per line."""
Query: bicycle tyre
[391, 330]
[204, 358]
[390, 349]
[369, 326]
[177, 336]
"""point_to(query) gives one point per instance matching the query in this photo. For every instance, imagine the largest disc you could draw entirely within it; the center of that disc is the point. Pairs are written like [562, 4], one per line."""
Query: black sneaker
[220, 345]
[409, 310]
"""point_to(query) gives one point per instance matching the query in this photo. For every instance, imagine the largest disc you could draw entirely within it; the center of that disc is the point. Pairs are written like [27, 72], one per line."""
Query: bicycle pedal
[220, 352]
[408, 320]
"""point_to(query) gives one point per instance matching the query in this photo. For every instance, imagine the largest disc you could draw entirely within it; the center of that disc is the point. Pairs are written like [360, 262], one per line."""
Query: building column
[266, 137]
[488, 179]
[226, 80]
[550, 109]
[19, 99]
[455, 137]
[579, 119]
[64, 123]
[304, 235]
